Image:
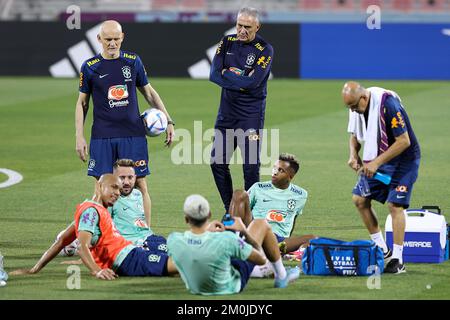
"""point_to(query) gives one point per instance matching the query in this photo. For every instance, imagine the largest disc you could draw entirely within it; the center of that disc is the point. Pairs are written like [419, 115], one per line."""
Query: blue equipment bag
[331, 257]
[447, 247]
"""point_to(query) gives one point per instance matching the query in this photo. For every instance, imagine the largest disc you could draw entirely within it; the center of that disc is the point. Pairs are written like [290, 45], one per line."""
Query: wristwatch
[171, 122]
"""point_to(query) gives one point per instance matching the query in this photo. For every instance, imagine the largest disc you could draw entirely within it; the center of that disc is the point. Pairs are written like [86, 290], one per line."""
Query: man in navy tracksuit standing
[111, 79]
[241, 67]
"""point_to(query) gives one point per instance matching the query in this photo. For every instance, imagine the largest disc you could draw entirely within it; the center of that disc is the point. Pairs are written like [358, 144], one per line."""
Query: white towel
[357, 123]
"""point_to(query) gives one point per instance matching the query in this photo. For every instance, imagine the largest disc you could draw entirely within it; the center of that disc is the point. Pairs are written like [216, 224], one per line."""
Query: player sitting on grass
[279, 202]
[212, 261]
[103, 250]
[128, 216]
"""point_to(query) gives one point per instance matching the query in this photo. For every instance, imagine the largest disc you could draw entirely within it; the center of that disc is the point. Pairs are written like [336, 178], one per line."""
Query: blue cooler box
[425, 236]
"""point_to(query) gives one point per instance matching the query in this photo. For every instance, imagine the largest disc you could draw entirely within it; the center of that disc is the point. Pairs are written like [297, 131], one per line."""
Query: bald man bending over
[111, 77]
[378, 118]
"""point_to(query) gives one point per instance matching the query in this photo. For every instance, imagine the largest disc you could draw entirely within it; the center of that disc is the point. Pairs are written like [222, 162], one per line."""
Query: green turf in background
[37, 140]
[3, 177]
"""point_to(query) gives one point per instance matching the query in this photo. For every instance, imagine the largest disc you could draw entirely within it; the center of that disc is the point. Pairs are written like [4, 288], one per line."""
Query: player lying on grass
[213, 261]
[279, 202]
[128, 216]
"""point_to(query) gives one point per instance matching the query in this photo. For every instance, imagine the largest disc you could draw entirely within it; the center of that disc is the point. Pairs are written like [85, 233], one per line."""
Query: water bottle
[363, 185]
[227, 220]
[3, 274]
[384, 178]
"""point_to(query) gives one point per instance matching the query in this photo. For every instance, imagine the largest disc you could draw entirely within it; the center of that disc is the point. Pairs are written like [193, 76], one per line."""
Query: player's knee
[360, 202]
[217, 166]
[261, 225]
[240, 196]
[395, 209]
[66, 236]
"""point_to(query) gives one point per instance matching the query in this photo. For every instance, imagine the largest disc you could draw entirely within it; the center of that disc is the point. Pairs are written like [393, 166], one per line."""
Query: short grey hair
[250, 11]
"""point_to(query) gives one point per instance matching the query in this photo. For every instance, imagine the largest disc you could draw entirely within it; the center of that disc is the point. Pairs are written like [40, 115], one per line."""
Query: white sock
[264, 271]
[398, 253]
[280, 271]
[379, 240]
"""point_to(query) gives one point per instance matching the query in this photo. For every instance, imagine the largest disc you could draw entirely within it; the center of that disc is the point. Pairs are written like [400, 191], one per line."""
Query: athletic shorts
[104, 153]
[141, 262]
[156, 243]
[398, 191]
[279, 239]
[245, 268]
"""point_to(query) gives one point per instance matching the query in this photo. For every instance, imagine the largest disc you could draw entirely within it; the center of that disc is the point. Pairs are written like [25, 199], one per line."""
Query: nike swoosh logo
[266, 200]
[230, 53]
[142, 170]
[400, 197]
[103, 75]
[125, 209]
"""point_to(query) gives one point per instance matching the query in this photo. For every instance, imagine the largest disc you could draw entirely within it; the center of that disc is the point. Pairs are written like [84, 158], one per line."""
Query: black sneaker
[394, 266]
[387, 257]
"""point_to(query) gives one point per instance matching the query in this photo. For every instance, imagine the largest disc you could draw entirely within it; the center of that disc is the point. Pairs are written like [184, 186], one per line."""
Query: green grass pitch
[37, 139]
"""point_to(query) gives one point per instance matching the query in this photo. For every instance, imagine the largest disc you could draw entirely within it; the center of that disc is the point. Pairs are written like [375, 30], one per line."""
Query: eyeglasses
[355, 106]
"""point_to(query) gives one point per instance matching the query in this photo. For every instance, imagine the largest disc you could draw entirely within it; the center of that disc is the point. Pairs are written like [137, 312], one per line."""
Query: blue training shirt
[397, 123]
[243, 96]
[112, 84]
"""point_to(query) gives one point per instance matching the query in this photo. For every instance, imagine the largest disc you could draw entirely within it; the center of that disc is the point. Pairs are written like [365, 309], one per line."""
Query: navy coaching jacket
[244, 83]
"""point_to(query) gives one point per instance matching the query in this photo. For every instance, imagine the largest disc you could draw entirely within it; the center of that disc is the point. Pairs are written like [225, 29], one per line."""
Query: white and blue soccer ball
[71, 249]
[155, 122]
[3, 274]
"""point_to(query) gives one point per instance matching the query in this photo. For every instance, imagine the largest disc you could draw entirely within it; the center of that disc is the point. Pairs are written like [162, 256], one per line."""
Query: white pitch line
[13, 178]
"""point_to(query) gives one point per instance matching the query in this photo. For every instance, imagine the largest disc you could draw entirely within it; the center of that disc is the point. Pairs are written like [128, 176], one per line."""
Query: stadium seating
[311, 5]
[402, 5]
[52, 9]
[164, 4]
[366, 3]
[434, 5]
[343, 5]
[193, 4]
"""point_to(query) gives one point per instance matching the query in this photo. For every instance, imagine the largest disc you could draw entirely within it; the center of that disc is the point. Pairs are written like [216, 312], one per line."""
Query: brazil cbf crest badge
[291, 204]
[250, 59]
[126, 70]
[91, 164]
